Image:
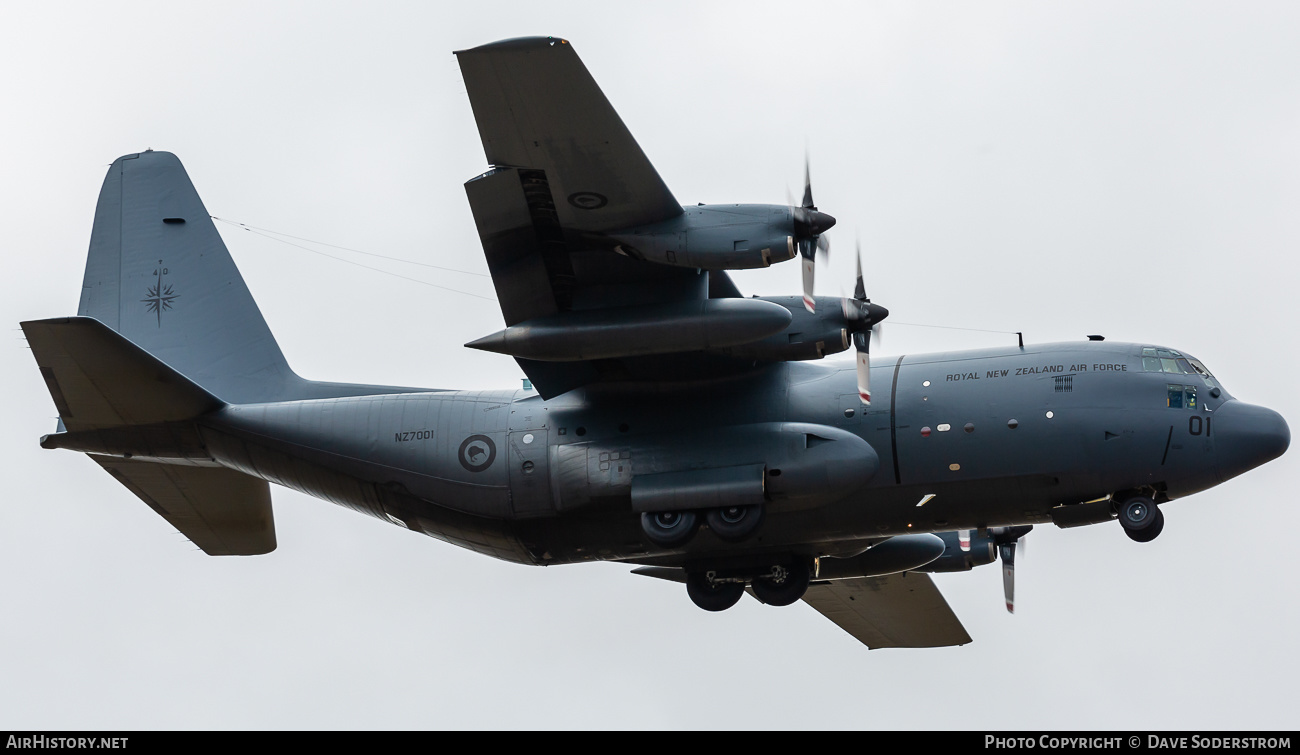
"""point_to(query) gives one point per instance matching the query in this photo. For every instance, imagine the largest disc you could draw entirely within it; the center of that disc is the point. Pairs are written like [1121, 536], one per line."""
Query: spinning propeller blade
[809, 225]
[861, 316]
[1006, 539]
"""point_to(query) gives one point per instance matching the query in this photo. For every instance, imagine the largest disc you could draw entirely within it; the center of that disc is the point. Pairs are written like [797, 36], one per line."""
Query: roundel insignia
[588, 200]
[477, 452]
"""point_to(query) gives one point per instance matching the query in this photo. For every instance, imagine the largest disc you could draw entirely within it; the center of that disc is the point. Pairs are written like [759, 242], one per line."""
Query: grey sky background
[1129, 169]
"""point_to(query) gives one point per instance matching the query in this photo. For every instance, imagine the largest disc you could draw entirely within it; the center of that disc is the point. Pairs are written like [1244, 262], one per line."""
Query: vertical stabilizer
[159, 274]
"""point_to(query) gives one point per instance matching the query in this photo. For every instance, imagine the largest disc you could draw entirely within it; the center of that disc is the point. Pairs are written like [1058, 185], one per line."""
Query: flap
[99, 379]
[224, 512]
[898, 611]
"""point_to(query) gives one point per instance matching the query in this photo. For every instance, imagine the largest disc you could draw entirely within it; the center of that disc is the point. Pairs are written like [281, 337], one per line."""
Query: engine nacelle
[715, 237]
[982, 551]
[897, 554]
[810, 335]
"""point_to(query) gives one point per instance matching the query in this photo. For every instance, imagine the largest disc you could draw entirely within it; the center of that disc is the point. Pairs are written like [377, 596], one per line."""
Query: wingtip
[518, 43]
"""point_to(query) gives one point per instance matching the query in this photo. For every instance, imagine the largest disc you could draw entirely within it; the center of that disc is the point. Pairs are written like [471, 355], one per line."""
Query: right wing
[901, 610]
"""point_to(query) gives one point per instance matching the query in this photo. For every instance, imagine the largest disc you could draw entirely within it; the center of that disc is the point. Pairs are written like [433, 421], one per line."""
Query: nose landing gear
[1141, 519]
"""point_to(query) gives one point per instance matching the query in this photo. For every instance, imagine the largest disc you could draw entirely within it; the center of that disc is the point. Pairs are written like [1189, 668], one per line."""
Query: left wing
[538, 107]
[902, 610]
[565, 169]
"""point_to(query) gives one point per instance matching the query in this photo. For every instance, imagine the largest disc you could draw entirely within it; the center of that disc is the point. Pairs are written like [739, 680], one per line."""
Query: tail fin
[159, 274]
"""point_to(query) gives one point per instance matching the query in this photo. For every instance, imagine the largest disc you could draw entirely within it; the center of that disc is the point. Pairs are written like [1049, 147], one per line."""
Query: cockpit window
[1204, 373]
[1175, 363]
[1181, 396]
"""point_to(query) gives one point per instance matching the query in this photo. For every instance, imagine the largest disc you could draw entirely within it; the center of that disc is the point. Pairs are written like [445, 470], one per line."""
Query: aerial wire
[953, 327]
[347, 249]
[267, 234]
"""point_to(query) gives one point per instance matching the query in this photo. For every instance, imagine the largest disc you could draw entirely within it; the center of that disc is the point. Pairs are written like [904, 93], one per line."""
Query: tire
[734, 523]
[712, 596]
[1138, 513]
[1150, 533]
[784, 591]
[670, 529]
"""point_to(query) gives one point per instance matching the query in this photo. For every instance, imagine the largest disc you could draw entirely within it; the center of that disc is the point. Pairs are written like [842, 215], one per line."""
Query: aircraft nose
[1246, 436]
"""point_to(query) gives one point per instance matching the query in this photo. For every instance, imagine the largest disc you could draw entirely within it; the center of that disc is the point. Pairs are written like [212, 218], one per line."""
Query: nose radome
[1247, 436]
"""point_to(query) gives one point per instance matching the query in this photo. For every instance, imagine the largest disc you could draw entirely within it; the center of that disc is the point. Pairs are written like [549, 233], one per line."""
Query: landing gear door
[530, 480]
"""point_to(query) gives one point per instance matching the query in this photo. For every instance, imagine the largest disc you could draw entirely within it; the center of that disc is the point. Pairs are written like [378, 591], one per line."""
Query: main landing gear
[780, 585]
[673, 529]
[1141, 519]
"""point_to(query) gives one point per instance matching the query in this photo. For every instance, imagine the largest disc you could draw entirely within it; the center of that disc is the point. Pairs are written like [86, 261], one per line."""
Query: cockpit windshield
[1173, 362]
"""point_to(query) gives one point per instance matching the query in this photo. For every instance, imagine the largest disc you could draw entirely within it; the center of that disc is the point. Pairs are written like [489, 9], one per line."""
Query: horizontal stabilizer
[99, 379]
[224, 512]
[898, 611]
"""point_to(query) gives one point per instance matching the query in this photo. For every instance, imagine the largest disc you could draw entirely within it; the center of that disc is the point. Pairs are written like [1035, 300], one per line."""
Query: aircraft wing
[538, 107]
[901, 610]
[565, 169]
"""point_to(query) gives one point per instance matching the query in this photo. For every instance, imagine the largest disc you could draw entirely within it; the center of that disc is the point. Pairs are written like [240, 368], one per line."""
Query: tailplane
[133, 414]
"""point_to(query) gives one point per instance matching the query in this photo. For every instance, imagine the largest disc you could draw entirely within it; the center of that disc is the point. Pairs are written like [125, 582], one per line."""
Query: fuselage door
[530, 480]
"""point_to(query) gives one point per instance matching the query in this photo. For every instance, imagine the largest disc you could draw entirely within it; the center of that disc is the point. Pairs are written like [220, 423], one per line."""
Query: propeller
[1006, 538]
[862, 318]
[809, 225]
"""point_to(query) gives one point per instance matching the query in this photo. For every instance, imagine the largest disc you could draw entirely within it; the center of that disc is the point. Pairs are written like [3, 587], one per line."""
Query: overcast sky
[1129, 169]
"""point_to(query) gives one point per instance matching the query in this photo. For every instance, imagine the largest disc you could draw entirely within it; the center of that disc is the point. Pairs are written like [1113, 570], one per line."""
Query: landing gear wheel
[670, 529]
[1137, 514]
[734, 523]
[783, 585]
[1151, 532]
[710, 595]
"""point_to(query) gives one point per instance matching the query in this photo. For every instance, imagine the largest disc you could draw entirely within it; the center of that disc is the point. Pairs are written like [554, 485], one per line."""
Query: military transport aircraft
[676, 425]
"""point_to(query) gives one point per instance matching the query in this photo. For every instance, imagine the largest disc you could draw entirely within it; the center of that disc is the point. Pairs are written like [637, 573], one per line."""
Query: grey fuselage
[997, 437]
